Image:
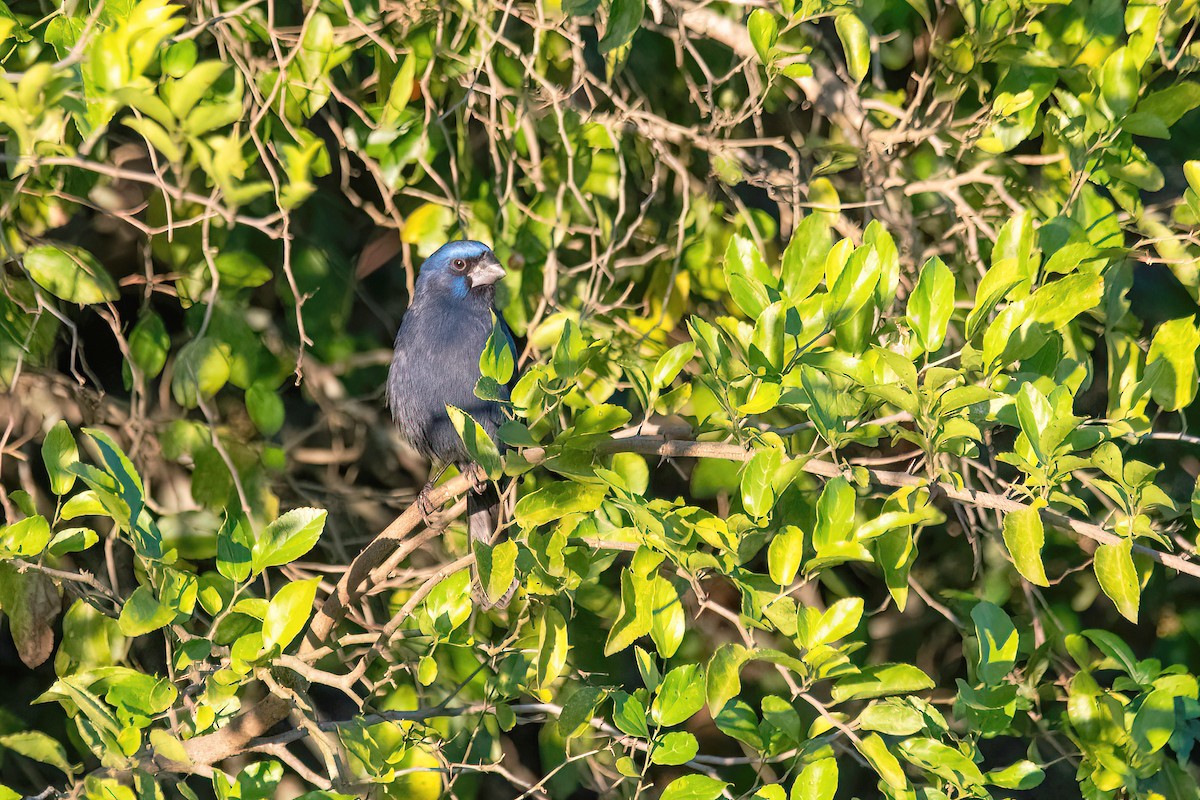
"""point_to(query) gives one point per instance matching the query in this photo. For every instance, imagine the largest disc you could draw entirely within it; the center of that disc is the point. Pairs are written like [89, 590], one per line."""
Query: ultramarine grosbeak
[436, 364]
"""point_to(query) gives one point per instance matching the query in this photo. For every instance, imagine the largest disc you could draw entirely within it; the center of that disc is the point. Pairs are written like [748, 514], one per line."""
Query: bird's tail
[483, 525]
[483, 513]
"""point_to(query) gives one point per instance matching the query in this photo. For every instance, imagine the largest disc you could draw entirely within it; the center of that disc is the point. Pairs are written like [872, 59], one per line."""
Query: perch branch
[259, 718]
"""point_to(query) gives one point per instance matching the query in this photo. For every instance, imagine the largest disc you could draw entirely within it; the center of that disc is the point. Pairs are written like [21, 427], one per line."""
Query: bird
[435, 363]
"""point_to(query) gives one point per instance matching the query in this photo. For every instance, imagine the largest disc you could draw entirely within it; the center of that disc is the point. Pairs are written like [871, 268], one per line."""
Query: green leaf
[817, 781]
[854, 285]
[497, 567]
[179, 58]
[856, 44]
[882, 761]
[694, 787]
[835, 515]
[675, 748]
[59, 451]
[668, 620]
[96, 712]
[1196, 502]
[1119, 81]
[1154, 721]
[784, 554]
[997, 642]
[1171, 364]
[234, 543]
[26, 538]
[287, 538]
[764, 31]
[1118, 577]
[70, 273]
[634, 618]
[767, 342]
[143, 613]
[63, 32]
[577, 711]
[781, 715]
[265, 408]
[747, 276]
[288, 612]
[183, 94]
[1024, 537]
[893, 716]
[680, 695]
[1035, 415]
[157, 136]
[931, 304]
[401, 91]
[241, 269]
[1114, 647]
[39, 747]
[804, 258]
[497, 359]
[557, 500]
[880, 680]
[149, 344]
[201, 369]
[1023, 775]
[629, 715]
[671, 363]
[942, 760]
[758, 489]
[72, 540]
[823, 408]
[448, 604]
[601, 419]
[738, 721]
[480, 446]
[814, 628]
[1170, 104]
[1057, 303]
[723, 676]
[624, 18]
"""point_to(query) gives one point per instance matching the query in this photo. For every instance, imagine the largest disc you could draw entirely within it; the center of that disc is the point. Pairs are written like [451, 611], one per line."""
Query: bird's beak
[487, 273]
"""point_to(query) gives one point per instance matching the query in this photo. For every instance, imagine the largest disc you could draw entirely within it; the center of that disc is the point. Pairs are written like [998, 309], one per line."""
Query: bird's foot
[429, 511]
[478, 479]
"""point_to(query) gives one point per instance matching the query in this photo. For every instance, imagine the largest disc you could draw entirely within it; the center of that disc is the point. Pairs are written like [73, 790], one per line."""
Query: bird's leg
[424, 504]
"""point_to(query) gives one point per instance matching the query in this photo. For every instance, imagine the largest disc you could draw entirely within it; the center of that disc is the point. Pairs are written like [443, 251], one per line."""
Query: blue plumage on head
[459, 267]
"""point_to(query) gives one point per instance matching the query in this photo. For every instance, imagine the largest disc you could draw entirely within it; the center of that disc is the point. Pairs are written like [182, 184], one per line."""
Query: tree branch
[259, 718]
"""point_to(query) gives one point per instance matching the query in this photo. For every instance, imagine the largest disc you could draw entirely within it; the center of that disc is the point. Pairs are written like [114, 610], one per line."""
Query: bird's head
[461, 267]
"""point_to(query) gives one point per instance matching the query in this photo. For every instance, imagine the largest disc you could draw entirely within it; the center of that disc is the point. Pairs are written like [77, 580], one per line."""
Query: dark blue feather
[436, 363]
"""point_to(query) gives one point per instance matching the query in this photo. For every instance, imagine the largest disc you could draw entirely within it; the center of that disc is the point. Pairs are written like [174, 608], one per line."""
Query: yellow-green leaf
[70, 273]
[1024, 537]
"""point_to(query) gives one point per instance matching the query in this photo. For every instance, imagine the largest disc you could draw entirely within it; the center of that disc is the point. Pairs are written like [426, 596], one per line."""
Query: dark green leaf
[624, 18]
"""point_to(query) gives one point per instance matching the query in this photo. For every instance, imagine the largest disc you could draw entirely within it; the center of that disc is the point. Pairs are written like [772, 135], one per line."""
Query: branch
[259, 718]
[681, 448]
[255, 721]
[823, 89]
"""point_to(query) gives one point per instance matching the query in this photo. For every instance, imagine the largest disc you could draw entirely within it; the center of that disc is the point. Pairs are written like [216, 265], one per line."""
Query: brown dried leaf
[32, 604]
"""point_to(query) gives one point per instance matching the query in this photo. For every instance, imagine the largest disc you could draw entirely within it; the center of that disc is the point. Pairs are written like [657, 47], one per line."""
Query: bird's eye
[459, 264]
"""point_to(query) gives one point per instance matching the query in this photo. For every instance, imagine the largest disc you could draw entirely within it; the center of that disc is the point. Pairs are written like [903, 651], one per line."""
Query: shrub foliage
[848, 453]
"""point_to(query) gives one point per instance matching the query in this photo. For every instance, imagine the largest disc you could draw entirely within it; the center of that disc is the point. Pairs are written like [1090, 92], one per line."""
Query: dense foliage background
[850, 451]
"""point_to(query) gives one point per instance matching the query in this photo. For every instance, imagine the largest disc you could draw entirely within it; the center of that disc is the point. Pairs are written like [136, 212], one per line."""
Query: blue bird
[436, 364]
